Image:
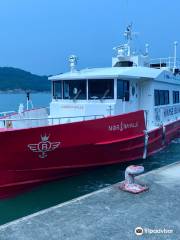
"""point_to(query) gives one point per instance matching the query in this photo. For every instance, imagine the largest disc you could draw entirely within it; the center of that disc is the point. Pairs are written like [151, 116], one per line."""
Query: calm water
[57, 192]
[11, 101]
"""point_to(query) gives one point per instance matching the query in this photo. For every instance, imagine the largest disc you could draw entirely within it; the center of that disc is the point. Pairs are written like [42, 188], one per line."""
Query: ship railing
[170, 62]
[46, 121]
[7, 113]
[60, 120]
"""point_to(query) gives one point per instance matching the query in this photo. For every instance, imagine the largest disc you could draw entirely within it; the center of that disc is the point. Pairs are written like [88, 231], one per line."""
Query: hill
[14, 79]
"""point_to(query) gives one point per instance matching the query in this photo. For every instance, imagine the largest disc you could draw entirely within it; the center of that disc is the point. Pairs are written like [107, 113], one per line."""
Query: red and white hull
[35, 155]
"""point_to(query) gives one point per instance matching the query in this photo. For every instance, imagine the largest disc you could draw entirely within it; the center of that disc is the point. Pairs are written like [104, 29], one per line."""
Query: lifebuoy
[9, 124]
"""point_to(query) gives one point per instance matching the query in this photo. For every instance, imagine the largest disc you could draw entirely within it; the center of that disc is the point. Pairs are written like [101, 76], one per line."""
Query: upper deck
[134, 82]
[128, 64]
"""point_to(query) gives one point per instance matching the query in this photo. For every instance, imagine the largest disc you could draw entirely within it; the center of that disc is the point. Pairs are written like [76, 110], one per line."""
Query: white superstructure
[134, 82]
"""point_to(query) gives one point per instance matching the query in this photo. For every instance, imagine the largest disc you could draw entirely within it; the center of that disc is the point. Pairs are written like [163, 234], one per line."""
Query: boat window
[123, 89]
[74, 89]
[57, 89]
[156, 97]
[166, 96]
[161, 97]
[101, 88]
[175, 96]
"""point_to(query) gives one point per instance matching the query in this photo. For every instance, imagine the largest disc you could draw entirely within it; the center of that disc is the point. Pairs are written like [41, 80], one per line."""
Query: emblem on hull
[44, 146]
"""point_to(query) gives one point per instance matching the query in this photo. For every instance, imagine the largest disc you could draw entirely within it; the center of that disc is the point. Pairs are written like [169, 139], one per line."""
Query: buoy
[129, 184]
[9, 124]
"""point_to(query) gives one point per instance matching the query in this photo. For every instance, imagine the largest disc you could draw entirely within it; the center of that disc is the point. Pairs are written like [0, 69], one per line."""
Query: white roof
[111, 72]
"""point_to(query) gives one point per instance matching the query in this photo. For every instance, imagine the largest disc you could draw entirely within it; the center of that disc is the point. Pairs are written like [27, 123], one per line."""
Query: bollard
[129, 184]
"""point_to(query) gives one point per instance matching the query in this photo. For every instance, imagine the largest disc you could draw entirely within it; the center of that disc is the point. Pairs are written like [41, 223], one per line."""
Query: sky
[39, 35]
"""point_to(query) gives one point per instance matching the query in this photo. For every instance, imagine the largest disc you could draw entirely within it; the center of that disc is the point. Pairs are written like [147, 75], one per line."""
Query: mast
[128, 36]
[175, 55]
[125, 49]
[28, 101]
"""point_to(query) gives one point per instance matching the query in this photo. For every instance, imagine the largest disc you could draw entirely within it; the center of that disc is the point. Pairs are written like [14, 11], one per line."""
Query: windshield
[77, 89]
[57, 90]
[74, 89]
[101, 88]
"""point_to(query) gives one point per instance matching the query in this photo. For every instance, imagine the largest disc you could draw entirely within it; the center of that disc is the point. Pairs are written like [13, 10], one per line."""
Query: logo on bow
[44, 146]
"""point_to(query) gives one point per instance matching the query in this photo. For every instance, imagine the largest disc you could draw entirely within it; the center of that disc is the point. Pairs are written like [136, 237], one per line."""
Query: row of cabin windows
[161, 97]
[97, 89]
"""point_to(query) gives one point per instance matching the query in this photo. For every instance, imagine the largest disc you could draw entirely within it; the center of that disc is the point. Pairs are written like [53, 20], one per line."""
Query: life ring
[9, 124]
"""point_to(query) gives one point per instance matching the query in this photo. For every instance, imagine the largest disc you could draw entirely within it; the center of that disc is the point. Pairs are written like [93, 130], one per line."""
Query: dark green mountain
[14, 79]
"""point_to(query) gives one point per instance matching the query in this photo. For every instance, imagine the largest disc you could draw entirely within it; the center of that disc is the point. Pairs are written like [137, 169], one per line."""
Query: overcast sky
[39, 35]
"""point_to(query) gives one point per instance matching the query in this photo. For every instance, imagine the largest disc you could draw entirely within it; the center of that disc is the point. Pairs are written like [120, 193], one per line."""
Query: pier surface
[109, 214]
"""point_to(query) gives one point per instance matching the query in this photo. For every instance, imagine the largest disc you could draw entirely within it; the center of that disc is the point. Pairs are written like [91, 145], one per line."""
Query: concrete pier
[109, 214]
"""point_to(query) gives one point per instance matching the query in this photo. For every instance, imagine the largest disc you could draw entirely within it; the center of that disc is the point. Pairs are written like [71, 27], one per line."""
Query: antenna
[128, 34]
[28, 101]
[146, 49]
[175, 54]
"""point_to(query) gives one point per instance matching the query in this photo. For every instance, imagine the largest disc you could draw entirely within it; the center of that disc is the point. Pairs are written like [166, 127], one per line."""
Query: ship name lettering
[73, 107]
[122, 126]
[171, 111]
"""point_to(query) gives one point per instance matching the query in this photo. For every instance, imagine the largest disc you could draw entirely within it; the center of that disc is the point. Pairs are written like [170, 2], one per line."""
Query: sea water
[11, 101]
[53, 193]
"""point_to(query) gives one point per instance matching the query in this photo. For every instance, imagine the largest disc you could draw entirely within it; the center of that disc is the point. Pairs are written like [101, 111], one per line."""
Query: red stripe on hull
[36, 155]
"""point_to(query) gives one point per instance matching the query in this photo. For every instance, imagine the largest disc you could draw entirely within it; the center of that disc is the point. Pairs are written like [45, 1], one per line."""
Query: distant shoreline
[14, 80]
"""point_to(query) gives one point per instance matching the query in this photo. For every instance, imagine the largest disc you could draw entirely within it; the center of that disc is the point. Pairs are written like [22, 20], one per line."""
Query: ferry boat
[97, 116]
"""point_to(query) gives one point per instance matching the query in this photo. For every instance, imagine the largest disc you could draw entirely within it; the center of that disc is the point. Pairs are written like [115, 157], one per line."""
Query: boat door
[145, 96]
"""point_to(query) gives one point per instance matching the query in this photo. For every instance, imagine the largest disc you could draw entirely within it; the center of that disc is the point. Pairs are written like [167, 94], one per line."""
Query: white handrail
[6, 113]
[49, 118]
[36, 122]
[169, 61]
